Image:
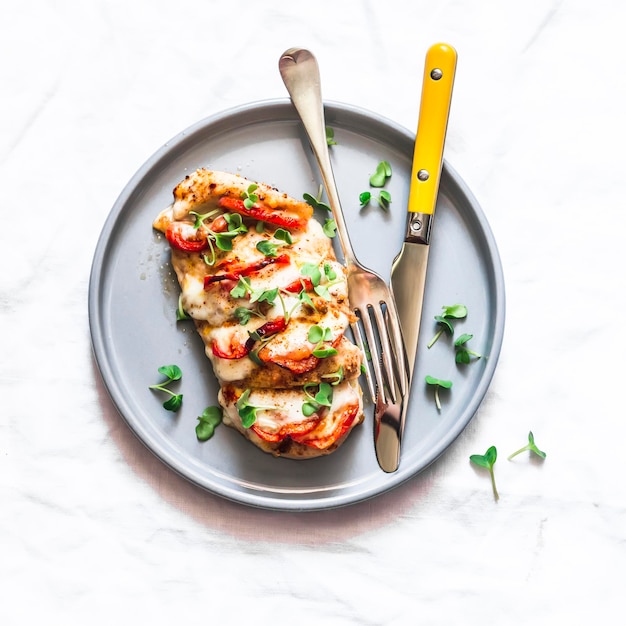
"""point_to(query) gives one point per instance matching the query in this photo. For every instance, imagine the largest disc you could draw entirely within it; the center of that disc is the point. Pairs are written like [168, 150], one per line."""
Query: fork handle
[300, 73]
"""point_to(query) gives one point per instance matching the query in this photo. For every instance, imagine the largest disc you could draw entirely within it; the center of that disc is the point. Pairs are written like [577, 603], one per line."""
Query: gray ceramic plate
[133, 296]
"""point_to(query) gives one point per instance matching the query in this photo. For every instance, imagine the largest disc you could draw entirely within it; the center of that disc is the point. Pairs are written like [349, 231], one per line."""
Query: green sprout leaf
[180, 312]
[323, 397]
[248, 412]
[464, 354]
[330, 227]
[312, 270]
[316, 201]
[335, 378]
[207, 422]
[531, 447]
[224, 241]
[318, 336]
[249, 197]
[329, 272]
[241, 288]
[267, 248]
[174, 403]
[201, 217]
[380, 176]
[221, 240]
[172, 373]
[452, 312]
[243, 314]
[487, 461]
[283, 235]
[438, 384]
[383, 199]
[330, 136]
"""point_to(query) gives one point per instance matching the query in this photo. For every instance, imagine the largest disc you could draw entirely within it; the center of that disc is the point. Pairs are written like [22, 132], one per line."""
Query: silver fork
[369, 295]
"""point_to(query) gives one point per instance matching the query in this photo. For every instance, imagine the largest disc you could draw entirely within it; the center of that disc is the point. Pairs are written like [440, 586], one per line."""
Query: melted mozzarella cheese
[285, 407]
[231, 370]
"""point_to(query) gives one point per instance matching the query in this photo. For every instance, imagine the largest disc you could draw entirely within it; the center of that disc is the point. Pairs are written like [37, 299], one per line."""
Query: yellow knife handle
[432, 125]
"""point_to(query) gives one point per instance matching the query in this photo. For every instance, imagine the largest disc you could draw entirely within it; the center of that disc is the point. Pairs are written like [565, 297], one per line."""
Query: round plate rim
[283, 109]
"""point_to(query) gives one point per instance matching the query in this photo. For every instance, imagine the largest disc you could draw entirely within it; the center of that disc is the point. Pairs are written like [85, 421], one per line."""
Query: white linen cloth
[95, 530]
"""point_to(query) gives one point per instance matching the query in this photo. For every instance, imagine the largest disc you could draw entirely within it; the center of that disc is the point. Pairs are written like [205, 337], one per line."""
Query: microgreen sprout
[438, 384]
[180, 312]
[248, 412]
[530, 446]
[321, 279]
[383, 199]
[463, 354]
[200, 217]
[269, 248]
[244, 287]
[171, 373]
[454, 311]
[329, 227]
[329, 272]
[243, 314]
[207, 422]
[222, 240]
[487, 461]
[314, 403]
[380, 176]
[330, 136]
[335, 378]
[316, 201]
[318, 335]
[249, 197]
[305, 298]
[312, 271]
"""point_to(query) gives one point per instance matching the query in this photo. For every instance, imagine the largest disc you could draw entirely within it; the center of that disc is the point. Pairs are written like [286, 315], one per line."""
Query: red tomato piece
[305, 362]
[298, 285]
[236, 351]
[178, 234]
[299, 366]
[263, 213]
[343, 423]
[236, 270]
[293, 429]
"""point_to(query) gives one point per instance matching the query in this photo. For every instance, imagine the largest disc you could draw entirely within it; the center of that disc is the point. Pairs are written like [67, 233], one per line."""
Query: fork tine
[395, 332]
[372, 344]
[358, 336]
[387, 354]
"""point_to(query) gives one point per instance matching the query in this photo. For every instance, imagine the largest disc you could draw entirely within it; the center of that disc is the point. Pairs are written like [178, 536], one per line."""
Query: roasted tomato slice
[235, 350]
[300, 366]
[298, 285]
[268, 329]
[239, 350]
[298, 361]
[185, 237]
[236, 270]
[293, 429]
[342, 424]
[263, 213]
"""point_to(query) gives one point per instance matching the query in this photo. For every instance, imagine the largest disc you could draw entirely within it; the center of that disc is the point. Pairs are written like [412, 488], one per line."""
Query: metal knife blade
[408, 273]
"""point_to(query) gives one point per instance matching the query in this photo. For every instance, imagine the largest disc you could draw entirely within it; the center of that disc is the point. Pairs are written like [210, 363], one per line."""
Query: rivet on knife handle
[439, 70]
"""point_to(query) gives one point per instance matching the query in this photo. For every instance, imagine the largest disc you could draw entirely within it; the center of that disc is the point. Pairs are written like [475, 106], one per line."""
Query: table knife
[408, 273]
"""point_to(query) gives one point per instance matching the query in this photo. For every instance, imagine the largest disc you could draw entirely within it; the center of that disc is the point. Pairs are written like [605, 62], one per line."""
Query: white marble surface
[95, 530]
